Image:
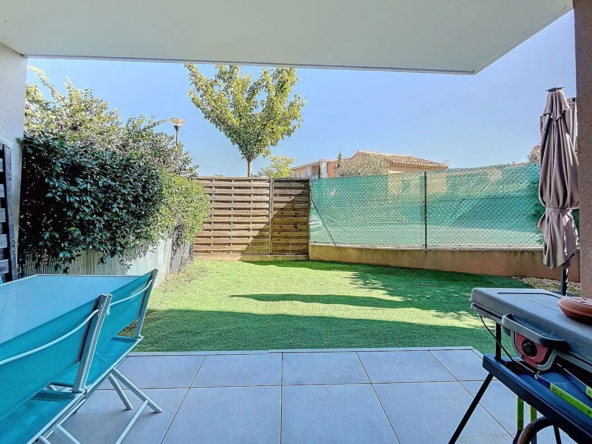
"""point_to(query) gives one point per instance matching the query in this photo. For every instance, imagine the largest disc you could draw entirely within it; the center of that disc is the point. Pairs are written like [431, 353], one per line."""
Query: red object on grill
[577, 308]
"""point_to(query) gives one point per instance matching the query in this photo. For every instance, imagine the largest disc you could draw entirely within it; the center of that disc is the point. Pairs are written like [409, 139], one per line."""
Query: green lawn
[279, 305]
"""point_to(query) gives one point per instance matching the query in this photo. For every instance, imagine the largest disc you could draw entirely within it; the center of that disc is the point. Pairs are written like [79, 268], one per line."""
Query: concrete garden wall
[515, 263]
[159, 258]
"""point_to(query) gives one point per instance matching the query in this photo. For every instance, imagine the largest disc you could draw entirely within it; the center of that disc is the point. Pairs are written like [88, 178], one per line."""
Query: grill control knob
[529, 348]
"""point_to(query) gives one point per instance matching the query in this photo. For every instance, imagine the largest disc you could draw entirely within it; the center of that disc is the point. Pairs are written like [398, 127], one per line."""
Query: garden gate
[255, 219]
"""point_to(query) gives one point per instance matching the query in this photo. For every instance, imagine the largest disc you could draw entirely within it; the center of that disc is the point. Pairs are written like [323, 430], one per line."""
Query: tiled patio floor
[309, 396]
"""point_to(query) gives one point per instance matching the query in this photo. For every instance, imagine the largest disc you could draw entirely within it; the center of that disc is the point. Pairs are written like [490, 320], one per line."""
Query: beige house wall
[312, 170]
[514, 263]
[299, 172]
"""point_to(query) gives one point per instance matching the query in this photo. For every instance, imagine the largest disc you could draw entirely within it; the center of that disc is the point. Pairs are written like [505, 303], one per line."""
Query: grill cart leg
[519, 418]
[471, 409]
[498, 341]
[557, 434]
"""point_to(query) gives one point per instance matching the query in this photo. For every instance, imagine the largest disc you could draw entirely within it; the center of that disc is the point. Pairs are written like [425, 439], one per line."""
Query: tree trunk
[249, 167]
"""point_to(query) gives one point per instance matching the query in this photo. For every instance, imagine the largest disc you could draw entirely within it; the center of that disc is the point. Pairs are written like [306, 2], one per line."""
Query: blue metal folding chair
[29, 363]
[128, 305]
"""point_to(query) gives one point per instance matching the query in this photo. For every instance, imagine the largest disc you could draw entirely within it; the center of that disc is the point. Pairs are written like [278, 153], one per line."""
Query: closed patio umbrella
[558, 186]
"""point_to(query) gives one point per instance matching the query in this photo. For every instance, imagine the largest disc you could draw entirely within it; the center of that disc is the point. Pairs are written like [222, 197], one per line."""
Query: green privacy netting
[456, 208]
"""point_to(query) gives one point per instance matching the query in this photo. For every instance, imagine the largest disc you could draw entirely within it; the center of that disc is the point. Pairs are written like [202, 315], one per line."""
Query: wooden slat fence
[255, 218]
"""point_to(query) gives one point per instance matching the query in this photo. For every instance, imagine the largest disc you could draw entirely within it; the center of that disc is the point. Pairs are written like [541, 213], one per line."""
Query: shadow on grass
[406, 282]
[330, 299]
[442, 305]
[193, 330]
[443, 293]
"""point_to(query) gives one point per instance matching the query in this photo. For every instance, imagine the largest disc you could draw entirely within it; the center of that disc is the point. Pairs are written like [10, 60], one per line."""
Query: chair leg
[136, 391]
[43, 440]
[59, 430]
[131, 423]
[126, 402]
[471, 409]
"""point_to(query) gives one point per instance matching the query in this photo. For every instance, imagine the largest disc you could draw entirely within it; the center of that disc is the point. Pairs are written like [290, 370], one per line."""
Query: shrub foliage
[81, 118]
[184, 209]
[79, 198]
[92, 182]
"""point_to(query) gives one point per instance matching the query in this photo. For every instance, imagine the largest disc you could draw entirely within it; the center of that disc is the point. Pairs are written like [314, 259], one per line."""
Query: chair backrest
[128, 304]
[33, 360]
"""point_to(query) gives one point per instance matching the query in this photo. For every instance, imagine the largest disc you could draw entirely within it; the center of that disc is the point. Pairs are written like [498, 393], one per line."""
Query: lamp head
[177, 123]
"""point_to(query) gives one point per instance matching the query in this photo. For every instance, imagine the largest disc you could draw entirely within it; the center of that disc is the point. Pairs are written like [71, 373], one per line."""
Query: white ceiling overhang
[453, 36]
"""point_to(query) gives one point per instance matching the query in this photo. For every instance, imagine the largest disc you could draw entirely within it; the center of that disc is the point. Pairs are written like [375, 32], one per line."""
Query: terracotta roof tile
[405, 160]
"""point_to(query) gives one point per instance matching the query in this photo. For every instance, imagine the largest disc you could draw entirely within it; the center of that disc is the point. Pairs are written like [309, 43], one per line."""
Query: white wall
[13, 81]
[159, 258]
[88, 263]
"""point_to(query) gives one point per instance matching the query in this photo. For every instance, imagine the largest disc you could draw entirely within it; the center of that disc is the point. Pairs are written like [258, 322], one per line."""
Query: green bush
[183, 211]
[80, 198]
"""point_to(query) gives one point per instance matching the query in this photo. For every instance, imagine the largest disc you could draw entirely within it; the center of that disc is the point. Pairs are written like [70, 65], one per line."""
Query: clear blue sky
[477, 120]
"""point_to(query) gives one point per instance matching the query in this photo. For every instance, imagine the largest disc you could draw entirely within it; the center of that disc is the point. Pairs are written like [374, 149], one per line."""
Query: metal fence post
[425, 210]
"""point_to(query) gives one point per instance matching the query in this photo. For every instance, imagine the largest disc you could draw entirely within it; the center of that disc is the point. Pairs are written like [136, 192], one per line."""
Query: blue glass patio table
[27, 304]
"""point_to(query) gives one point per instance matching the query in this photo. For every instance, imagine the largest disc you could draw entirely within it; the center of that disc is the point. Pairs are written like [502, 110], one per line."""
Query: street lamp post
[177, 124]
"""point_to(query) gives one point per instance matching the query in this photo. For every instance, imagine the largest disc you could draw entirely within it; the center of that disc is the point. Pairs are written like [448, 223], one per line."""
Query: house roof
[454, 36]
[408, 161]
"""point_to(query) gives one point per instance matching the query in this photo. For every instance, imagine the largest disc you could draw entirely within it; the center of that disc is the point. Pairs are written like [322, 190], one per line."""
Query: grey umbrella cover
[558, 187]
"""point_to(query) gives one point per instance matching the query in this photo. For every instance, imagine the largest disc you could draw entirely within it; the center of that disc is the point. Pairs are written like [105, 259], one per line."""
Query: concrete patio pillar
[583, 37]
[13, 81]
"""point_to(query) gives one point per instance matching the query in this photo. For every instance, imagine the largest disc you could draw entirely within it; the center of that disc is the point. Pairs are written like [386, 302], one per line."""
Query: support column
[583, 37]
[13, 81]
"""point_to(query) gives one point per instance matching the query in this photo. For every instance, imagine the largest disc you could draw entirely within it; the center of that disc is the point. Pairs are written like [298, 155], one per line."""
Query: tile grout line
[477, 352]
[444, 367]
[296, 350]
[182, 401]
[378, 398]
[471, 395]
[485, 408]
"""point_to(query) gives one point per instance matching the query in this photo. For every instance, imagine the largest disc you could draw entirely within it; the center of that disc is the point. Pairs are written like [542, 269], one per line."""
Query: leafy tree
[534, 156]
[140, 136]
[254, 114]
[81, 118]
[320, 175]
[363, 165]
[339, 160]
[279, 166]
